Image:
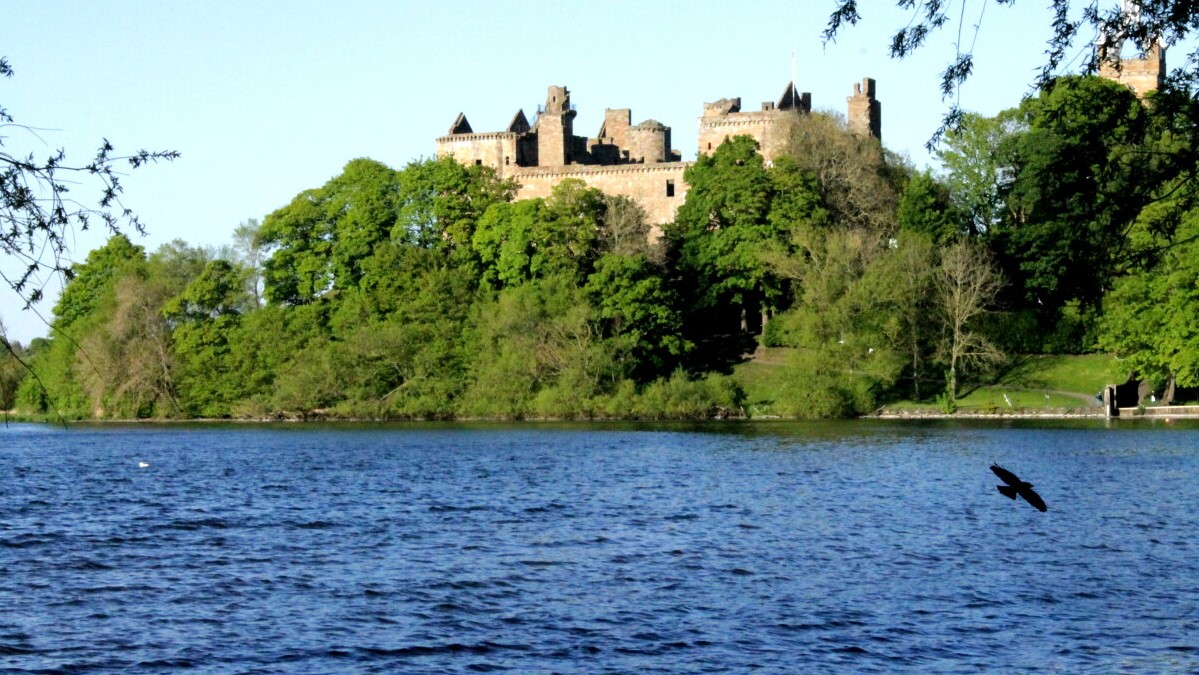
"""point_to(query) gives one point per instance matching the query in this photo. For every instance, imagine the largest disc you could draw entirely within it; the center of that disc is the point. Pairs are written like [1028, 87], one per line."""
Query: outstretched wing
[1033, 498]
[1005, 475]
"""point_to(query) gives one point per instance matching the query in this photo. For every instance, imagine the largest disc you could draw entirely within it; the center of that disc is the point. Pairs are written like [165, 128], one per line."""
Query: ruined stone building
[635, 160]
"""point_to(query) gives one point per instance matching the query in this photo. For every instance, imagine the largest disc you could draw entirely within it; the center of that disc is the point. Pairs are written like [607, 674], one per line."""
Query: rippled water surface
[784, 548]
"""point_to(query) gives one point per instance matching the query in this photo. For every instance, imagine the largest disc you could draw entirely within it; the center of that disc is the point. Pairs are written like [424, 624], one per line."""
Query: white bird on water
[143, 465]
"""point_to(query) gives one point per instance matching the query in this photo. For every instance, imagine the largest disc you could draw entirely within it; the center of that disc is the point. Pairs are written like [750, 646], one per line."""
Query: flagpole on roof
[793, 71]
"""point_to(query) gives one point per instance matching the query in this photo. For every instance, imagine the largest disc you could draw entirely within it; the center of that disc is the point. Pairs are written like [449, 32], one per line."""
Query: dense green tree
[901, 281]
[1081, 175]
[90, 280]
[844, 324]
[535, 238]
[796, 200]
[925, 207]
[391, 275]
[363, 205]
[639, 311]
[974, 168]
[1056, 187]
[299, 235]
[442, 201]
[320, 239]
[216, 291]
[265, 345]
[539, 352]
[724, 228]
[203, 316]
[1149, 316]
[409, 360]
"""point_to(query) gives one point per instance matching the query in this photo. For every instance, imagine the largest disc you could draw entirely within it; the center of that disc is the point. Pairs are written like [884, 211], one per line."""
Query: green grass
[1031, 383]
[1085, 374]
[761, 381]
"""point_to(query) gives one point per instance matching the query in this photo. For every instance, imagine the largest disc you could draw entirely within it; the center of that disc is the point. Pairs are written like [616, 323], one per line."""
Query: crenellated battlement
[473, 137]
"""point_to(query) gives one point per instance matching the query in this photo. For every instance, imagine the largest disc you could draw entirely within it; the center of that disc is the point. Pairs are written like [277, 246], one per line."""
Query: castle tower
[555, 129]
[616, 126]
[865, 112]
[649, 142]
[1142, 75]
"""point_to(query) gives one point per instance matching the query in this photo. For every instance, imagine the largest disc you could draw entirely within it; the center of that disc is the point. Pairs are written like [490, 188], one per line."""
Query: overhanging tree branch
[1145, 23]
[37, 212]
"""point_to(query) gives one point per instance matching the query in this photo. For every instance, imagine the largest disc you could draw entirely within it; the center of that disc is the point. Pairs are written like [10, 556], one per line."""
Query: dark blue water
[777, 548]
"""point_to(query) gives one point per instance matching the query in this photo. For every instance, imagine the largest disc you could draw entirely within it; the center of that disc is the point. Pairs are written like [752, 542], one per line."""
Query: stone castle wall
[658, 188]
[497, 150]
[769, 129]
[625, 159]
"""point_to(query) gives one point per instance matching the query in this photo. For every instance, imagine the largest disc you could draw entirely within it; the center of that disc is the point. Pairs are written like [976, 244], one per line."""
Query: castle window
[505, 160]
[478, 162]
[709, 146]
[670, 188]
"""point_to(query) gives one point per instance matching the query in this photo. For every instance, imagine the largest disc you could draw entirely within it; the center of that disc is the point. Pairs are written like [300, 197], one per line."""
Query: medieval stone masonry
[1142, 75]
[633, 160]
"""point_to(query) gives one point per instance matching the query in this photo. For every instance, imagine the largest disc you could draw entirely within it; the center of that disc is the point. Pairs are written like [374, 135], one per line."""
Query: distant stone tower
[1142, 75]
[649, 142]
[555, 129]
[865, 112]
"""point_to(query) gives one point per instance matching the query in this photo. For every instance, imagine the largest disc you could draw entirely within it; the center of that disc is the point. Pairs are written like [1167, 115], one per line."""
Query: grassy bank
[1030, 384]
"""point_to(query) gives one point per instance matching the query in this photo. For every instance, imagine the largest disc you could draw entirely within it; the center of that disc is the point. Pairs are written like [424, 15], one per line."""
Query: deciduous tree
[967, 284]
[1149, 316]
[536, 238]
[723, 229]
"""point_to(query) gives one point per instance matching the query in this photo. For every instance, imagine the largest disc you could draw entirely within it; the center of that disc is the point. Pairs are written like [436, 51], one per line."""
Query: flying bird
[1015, 486]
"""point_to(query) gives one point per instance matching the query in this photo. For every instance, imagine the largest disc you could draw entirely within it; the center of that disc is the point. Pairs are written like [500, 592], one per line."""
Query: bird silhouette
[1015, 487]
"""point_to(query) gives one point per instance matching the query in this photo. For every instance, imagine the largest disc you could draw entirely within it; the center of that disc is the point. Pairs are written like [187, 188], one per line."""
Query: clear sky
[265, 99]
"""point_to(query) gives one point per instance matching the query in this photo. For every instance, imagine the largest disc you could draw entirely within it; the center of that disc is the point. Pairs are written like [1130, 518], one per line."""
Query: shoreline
[888, 416]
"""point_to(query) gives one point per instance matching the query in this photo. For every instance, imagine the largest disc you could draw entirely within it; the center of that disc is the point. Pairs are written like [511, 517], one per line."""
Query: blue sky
[265, 99]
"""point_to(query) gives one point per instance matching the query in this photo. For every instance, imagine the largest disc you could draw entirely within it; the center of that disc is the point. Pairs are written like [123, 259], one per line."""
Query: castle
[636, 161]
